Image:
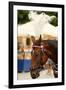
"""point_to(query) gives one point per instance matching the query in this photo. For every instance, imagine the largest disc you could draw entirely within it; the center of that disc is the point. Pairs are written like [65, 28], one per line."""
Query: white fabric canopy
[37, 26]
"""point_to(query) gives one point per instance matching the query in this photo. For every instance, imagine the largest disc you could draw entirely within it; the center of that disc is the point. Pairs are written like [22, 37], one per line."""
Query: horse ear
[40, 39]
[33, 39]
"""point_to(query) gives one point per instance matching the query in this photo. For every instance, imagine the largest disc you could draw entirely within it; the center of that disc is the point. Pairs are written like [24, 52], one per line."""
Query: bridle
[42, 49]
[39, 47]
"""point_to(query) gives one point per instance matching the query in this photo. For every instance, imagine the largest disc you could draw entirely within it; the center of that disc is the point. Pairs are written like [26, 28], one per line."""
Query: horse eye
[45, 52]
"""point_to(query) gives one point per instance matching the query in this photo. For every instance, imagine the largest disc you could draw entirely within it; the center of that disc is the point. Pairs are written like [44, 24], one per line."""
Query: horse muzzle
[34, 73]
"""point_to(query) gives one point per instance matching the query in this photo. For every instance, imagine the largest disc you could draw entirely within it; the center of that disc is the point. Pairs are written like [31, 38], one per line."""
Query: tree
[22, 16]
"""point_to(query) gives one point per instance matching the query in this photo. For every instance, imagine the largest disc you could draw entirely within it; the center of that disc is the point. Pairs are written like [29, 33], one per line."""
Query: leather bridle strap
[35, 46]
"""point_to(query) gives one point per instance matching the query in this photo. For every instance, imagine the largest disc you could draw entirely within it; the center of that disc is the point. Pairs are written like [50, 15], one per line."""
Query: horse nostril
[33, 76]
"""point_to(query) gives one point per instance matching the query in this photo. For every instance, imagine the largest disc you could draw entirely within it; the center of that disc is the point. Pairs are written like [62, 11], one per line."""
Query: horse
[41, 51]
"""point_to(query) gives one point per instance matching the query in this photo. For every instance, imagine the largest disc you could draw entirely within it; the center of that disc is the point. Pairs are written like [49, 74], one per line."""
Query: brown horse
[42, 50]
